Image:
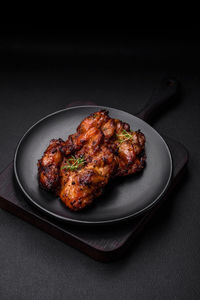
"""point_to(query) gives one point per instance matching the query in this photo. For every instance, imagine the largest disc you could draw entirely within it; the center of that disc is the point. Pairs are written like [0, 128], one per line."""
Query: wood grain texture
[102, 243]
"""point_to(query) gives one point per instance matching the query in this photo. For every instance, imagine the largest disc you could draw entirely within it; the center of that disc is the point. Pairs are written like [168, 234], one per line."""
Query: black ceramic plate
[123, 198]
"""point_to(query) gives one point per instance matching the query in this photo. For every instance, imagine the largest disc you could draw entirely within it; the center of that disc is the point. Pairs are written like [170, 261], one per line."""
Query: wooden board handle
[165, 94]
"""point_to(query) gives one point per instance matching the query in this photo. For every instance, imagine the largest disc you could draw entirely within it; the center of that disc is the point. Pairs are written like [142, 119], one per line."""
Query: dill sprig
[124, 136]
[74, 163]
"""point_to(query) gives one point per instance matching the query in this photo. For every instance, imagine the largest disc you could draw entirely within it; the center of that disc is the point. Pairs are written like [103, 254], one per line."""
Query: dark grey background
[43, 70]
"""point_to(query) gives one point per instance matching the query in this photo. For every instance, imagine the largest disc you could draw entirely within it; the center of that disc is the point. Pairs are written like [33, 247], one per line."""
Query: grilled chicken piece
[49, 165]
[81, 185]
[84, 131]
[84, 176]
[101, 149]
[130, 157]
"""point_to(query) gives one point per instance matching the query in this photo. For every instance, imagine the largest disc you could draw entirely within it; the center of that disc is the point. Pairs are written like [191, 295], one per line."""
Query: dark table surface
[39, 76]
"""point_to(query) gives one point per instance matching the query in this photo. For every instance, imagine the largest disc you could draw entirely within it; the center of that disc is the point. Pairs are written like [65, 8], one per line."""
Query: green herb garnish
[74, 163]
[124, 136]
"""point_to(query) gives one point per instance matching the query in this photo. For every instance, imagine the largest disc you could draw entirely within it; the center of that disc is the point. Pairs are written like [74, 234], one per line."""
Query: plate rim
[101, 222]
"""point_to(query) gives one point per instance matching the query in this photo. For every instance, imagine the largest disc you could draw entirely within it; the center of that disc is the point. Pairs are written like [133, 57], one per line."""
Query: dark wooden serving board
[102, 243]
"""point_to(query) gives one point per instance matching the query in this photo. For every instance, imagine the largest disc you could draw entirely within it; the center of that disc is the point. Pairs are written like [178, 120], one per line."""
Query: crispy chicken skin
[101, 149]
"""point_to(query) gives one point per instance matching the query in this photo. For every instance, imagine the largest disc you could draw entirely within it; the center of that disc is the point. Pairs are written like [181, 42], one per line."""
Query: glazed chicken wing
[84, 175]
[80, 168]
[130, 156]
[81, 185]
[49, 165]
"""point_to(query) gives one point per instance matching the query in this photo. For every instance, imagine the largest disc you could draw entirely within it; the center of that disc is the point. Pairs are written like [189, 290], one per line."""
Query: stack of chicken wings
[102, 148]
